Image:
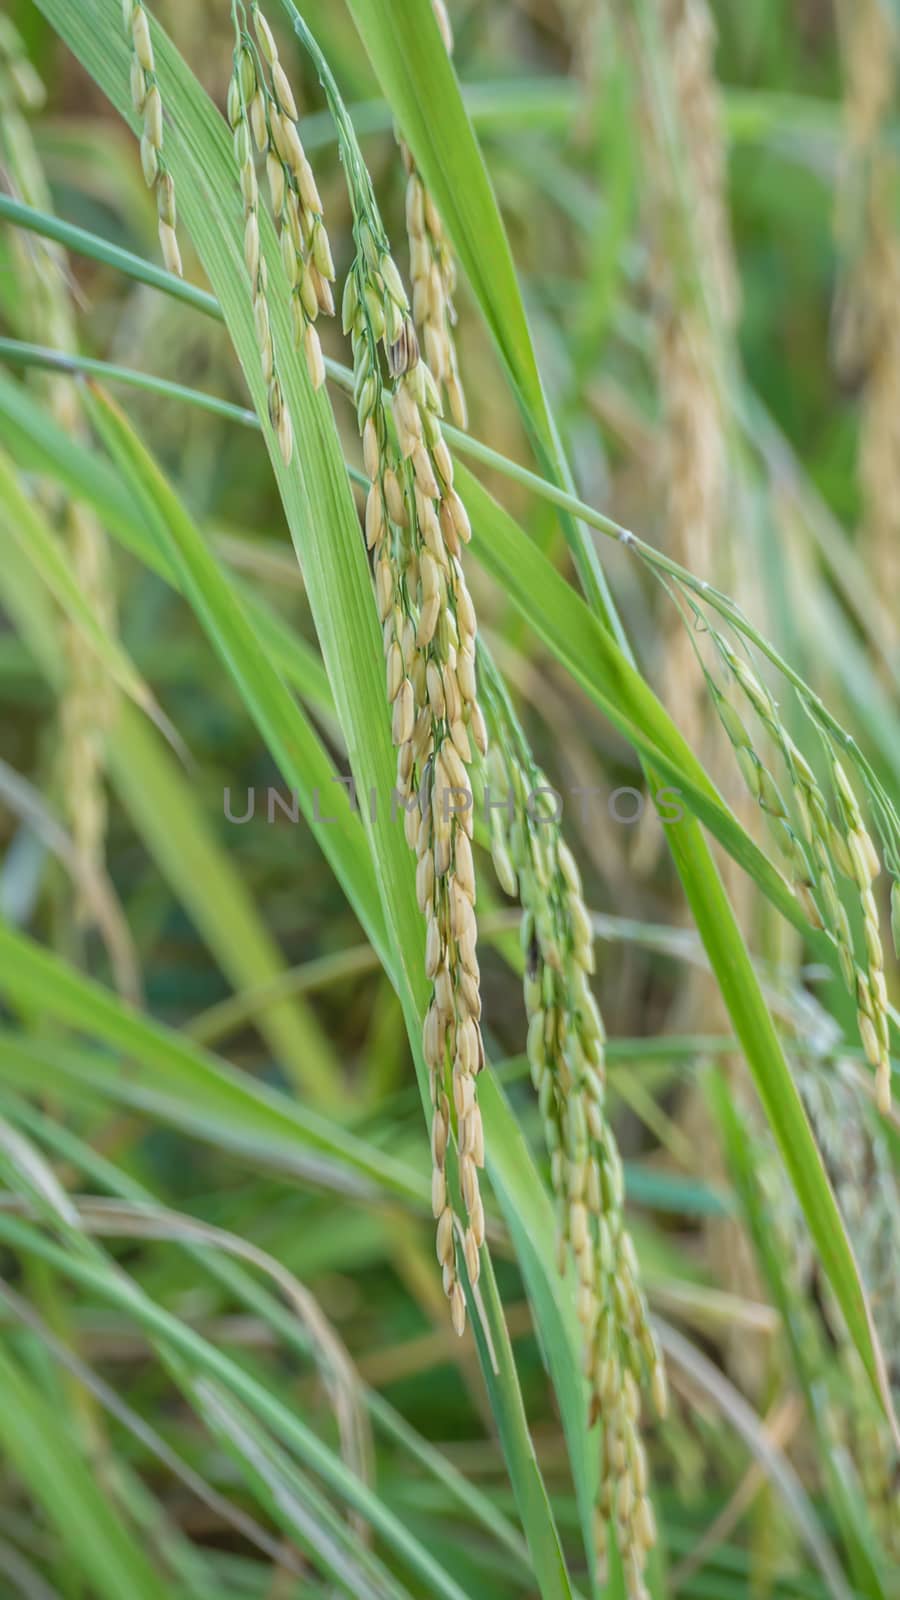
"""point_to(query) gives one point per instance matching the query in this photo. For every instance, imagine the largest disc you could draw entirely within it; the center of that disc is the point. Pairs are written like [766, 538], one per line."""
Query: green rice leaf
[21, 520]
[164, 810]
[207, 1362]
[49, 1460]
[247, 1114]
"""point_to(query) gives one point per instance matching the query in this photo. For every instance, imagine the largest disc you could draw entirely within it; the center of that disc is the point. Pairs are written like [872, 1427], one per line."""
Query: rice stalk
[87, 707]
[415, 526]
[262, 111]
[848, 846]
[243, 95]
[296, 203]
[566, 1040]
[829, 846]
[147, 102]
[433, 270]
[867, 339]
[845, 846]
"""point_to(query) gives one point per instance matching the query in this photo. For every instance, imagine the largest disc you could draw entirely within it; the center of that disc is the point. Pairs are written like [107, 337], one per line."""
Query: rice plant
[357, 1241]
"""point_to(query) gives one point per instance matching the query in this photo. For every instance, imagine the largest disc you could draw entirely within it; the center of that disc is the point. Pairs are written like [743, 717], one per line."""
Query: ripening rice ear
[147, 101]
[566, 1054]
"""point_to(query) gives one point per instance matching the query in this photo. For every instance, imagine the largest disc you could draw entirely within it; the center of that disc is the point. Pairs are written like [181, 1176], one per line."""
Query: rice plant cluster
[348, 661]
[264, 113]
[566, 1055]
[416, 527]
[819, 845]
[147, 102]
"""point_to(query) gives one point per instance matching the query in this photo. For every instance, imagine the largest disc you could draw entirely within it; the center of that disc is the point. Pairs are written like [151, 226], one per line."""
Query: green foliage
[218, 1283]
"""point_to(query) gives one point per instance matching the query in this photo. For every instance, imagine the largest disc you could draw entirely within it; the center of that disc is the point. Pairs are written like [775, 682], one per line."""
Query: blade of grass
[420, 85]
[23, 522]
[849, 1509]
[779, 1095]
[205, 1360]
[529, 1214]
[84, 1077]
[252, 1113]
[85, 243]
[237, 1281]
[291, 1498]
[700, 1370]
[166, 814]
[411, 62]
[49, 1462]
[245, 1526]
[22, 354]
[39, 444]
[288, 735]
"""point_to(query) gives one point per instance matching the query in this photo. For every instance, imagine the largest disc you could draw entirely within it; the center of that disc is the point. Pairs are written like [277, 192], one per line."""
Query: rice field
[449, 805]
